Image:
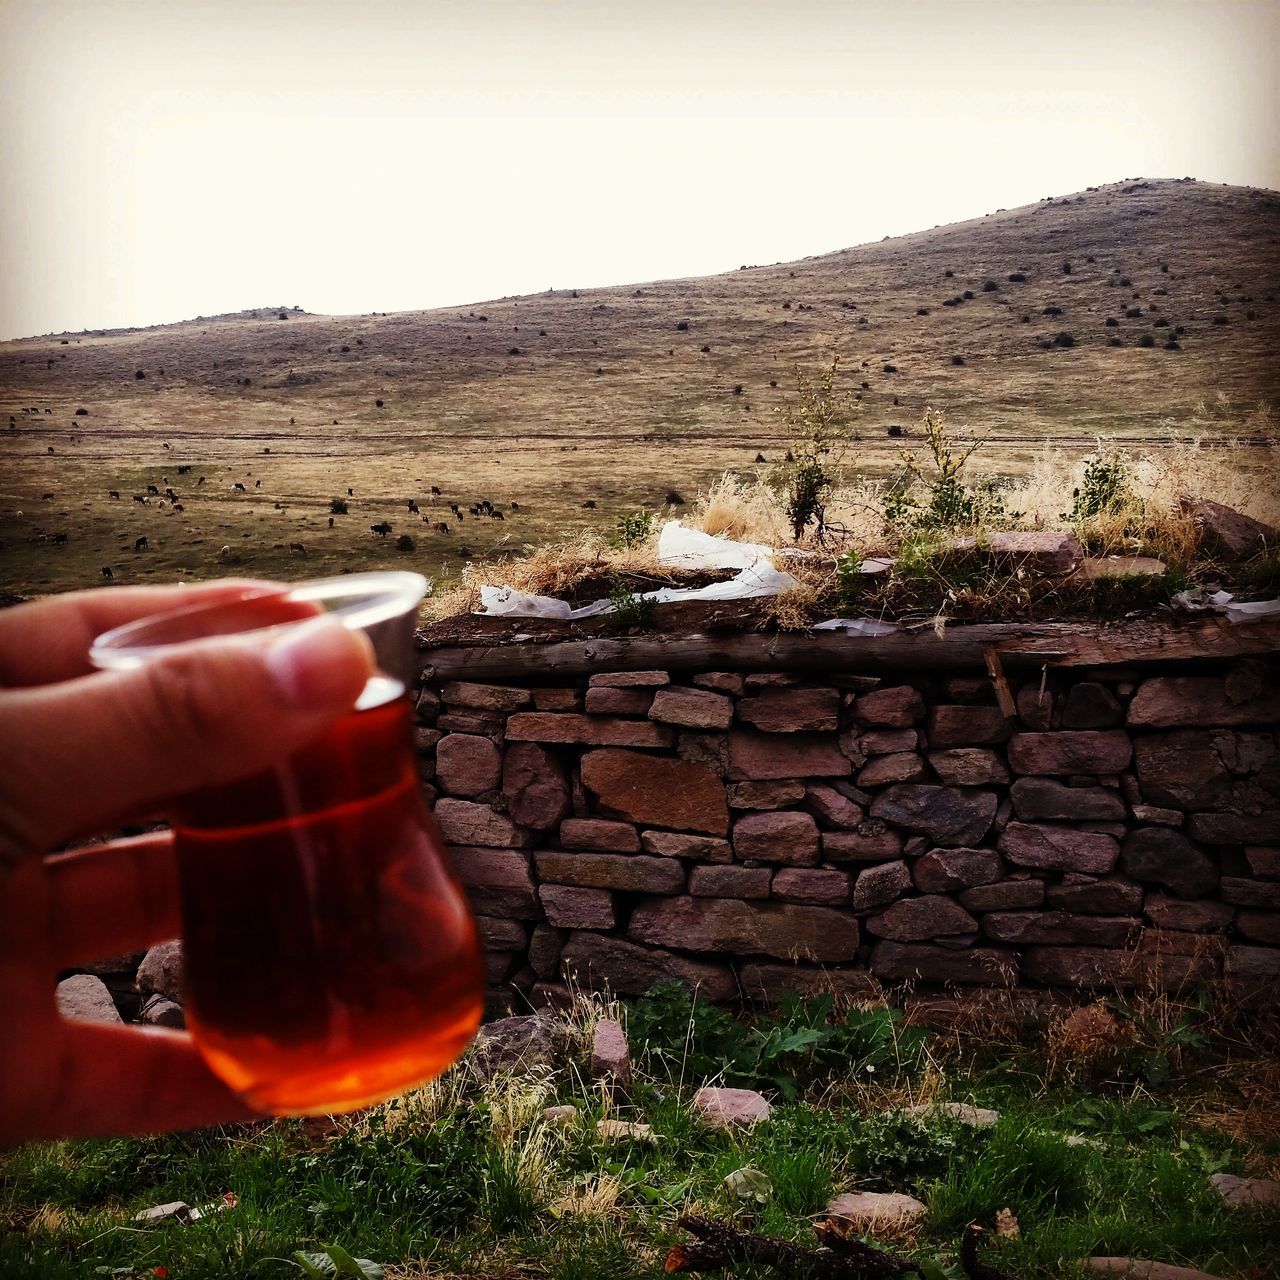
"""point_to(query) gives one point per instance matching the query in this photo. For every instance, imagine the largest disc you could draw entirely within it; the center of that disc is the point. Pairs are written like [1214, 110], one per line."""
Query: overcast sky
[160, 160]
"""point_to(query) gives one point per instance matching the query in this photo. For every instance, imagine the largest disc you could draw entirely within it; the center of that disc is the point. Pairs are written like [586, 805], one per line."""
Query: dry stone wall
[753, 833]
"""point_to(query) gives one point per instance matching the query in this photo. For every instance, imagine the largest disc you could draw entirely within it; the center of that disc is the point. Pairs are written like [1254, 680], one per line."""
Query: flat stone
[1260, 926]
[1096, 567]
[896, 708]
[769, 680]
[966, 726]
[488, 724]
[961, 1112]
[1006, 895]
[1226, 531]
[771, 983]
[719, 681]
[947, 815]
[534, 786]
[618, 702]
[919, 919]
[1104, 967]
[1058, 848]
[1153, 815]
[610, 1055]
[500, 934]
[545, 946]
[467, 765]
[884, 742]
[1087, 751]
[1185, 768]
[817, 886]
[779, 794]
[1195, 917]
[880, 771]
[1060, 929]
[1040, 798]
[792, 710]
[872, 1213]
[1090, 705]
[615, 1131]
[946, 870]
[632, 873]
[968, 767]
[921, 962]
[1234, 828]
[558, 699]
[161, 970]
[730, 1108]
[1111, 895]
[1045, 552]
[832, 809]
[485, 697]
[871, 842]
[1245, 1191]
[86, 999]
[1145, 1269]
[1243, 892]
[780, 835]
[762, 756]
[630, 680]
[492, 868]
[730, 882]
[1264, 863]
[1035, 706]
[594, 731]
[599, 834]
[881, 884]
[679, 844]
[782, 930]
[1170, 859]
[571, 907]
[1171, 702]
[656, 791]
[464, 822]
[692, 708]
[630, 970]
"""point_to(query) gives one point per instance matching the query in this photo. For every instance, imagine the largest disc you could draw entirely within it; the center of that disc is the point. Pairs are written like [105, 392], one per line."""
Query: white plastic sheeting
[1197, 600]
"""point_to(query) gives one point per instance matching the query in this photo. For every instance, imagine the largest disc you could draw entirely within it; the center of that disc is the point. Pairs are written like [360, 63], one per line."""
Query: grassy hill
[619, 396]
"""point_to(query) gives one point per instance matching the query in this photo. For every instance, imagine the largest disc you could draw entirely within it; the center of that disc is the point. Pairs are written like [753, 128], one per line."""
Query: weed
[338, 506]
[1103, 489]
[632, 529]
[630, 608]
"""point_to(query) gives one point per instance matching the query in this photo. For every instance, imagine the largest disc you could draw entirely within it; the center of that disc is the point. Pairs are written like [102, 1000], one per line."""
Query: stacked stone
[750, 834]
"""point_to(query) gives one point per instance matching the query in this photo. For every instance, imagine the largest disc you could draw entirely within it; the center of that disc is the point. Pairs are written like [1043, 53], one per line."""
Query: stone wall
[752, 833]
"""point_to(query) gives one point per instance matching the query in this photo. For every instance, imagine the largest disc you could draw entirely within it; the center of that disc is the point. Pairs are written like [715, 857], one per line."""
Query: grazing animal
[169, 493]
[257, 484]
[351, 493]
[590, 504]
[151, 488]
[413, 506]
[435, 488]
[497, 515]
[177, 506]
[225, 552]
[238, 485]
[182, 471]
[200, 482]
[107, 571]
[297, 549]
[59, 539]
[441, 526]
[140, 544]
[381, 529]
[404, 543]
[330, 522]
[515, 506]
[44, 497]
[114, 493]
[51, 448]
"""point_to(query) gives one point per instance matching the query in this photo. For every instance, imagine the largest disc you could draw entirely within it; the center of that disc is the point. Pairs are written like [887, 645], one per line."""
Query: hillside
[618, 396]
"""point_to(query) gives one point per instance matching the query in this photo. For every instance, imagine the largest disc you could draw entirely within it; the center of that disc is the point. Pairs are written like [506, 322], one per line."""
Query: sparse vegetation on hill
[548, 432]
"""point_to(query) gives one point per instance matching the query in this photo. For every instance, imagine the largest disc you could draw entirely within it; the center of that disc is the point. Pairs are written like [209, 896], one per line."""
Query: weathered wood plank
[921, 648]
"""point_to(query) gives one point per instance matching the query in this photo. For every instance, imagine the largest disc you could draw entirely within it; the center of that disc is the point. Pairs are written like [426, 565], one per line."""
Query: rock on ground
[730, 1108]
[877, 1211]
[961, 1112]
[1246, 1191]
[86, 998]
[610, 1056]
[514, 1044]
[1145, 1269]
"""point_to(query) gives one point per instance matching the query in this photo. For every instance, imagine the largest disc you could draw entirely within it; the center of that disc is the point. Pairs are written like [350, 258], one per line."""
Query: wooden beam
[957, 647]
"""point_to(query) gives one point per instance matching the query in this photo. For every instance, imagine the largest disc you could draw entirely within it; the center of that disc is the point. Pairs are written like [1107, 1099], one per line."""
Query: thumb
[85, 754]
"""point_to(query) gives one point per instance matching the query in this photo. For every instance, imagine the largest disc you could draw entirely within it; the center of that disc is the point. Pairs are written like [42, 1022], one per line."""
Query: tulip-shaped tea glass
[330, 957]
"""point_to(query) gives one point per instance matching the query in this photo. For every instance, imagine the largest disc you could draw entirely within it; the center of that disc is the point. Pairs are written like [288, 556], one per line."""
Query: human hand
[83, 751]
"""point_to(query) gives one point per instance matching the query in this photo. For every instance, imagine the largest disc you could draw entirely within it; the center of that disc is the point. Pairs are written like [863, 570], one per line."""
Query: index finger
[48, 640]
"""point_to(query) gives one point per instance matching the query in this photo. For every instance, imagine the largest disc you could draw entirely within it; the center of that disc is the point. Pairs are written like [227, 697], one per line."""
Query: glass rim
[374, 597]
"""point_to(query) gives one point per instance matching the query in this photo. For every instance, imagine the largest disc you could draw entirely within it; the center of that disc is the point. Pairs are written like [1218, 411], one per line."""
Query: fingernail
[318, 663]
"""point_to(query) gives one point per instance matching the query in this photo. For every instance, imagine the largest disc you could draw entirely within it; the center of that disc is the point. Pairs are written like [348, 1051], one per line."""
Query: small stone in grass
[730, 1108]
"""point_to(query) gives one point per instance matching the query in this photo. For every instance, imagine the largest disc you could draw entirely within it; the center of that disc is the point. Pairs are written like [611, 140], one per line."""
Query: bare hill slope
[1027, 325]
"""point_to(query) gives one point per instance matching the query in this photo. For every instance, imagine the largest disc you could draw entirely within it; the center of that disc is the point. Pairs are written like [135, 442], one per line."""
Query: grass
[464, 1177]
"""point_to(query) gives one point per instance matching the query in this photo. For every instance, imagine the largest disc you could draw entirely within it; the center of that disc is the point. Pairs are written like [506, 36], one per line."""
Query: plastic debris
[857, 626]
[1198, 600]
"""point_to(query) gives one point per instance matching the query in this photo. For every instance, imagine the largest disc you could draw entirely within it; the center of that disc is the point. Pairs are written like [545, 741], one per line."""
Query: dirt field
[620, 396]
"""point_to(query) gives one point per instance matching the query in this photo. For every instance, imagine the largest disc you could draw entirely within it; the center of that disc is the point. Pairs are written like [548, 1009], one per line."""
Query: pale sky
[161, 159]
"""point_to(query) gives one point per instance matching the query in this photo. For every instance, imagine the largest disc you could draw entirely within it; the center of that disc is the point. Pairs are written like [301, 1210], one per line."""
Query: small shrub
[891, 368]
[818, 428]
[377, 404]
[1116, 342]
[1051, 311]
[1112, 323]
[682, 327]
[1132, 313]
[1221, 320]
[967, 295]
[989, 286]
[1146, 341]
[140, 374]
[1017, 277]
[1066, 268]
[514, 351]
[338, 506]
[737, 388]
[1103, 489]
[82, 413]
[922, 311]
[957, 359]
[948, 273]
[632, 529]
[1064, 339]
[629, 608]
